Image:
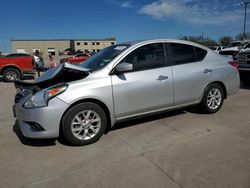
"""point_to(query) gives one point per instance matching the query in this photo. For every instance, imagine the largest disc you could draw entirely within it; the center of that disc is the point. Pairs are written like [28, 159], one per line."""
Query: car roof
[21, 54]
[141, 42]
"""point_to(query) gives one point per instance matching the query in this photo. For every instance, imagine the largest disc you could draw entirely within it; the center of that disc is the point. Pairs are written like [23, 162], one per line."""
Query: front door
[148, 87]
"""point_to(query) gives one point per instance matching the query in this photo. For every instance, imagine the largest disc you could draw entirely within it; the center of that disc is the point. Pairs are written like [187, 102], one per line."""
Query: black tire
[77, 111]
[211, 107]
[11, 74]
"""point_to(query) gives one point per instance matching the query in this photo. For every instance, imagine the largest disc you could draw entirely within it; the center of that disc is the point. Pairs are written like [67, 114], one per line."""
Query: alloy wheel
[86, 124]
[11, 75]
[214, 98]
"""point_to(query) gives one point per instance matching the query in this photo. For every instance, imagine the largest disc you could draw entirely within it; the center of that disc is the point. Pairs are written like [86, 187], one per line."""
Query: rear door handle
[207, 71]
[162, 77]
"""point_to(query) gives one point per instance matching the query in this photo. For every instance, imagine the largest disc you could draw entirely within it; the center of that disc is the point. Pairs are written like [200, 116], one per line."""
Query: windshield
[102, 58]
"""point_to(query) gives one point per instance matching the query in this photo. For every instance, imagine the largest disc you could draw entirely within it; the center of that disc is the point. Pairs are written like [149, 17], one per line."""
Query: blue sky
[124, 19]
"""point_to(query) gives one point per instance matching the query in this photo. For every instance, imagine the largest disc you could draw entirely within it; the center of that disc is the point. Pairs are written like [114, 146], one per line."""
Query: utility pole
[245, 3]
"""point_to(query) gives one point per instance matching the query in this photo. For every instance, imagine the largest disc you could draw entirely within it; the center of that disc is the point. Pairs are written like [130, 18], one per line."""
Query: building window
[36, 50]
[78, 43]
[98, 50]
[93, 43]
[20, 50]
[112, 43]
[93, 50]
[97, 43]
[51, 51]
[85, 43]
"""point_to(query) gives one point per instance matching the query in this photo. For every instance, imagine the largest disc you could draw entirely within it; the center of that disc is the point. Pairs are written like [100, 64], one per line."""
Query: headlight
[41, 98]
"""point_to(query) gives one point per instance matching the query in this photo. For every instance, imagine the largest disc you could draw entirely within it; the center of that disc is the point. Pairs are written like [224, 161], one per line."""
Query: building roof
[105, 39]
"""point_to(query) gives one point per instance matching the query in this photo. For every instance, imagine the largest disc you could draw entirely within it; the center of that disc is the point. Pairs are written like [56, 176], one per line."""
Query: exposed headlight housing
[41, 98]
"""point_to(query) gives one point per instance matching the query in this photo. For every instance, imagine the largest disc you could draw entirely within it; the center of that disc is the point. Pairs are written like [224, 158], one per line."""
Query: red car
[16, 66]
[76, 59]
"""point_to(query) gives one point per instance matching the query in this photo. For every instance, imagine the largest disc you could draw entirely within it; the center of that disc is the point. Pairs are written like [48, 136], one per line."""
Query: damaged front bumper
[41, 122]
[44, 122]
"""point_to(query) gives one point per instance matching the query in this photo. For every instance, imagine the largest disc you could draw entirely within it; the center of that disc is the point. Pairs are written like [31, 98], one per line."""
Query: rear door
[148, 87]
[191, 73]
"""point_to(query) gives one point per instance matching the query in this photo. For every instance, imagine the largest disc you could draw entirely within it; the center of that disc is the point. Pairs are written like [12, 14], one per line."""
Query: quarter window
[200, 53]
[147, 57]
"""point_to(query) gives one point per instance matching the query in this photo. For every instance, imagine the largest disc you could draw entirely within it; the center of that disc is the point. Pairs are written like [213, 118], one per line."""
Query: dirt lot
[179, 149]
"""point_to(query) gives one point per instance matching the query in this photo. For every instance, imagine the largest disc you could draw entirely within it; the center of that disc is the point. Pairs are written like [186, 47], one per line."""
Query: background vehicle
[17, 55]
[121, 82]
[216, 48]
[246, 48]
[244, 66]
[234, 48]
[16, 66]
[75, 59]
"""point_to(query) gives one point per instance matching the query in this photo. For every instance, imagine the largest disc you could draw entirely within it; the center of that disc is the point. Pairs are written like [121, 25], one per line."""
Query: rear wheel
[11, 74]
[212, 99]
[84, 124]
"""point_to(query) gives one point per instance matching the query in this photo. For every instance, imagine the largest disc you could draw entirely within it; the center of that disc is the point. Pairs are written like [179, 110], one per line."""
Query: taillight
[234, 64]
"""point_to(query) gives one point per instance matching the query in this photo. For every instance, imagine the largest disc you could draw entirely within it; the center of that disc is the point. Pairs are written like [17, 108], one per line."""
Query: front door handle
[162, 77]
[207, 71]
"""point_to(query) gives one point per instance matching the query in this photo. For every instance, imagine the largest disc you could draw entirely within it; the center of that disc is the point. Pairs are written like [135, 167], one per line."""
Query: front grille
[242, 56]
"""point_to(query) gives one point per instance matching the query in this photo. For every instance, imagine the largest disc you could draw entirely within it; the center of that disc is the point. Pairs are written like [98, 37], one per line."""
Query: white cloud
[126, 4]
[193, 12]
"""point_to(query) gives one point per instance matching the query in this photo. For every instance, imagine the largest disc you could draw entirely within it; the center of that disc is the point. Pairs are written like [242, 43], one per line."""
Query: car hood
[62, 73]
[235, 48]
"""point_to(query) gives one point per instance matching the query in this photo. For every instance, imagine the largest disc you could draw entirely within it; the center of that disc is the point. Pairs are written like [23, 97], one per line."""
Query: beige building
[57, 46]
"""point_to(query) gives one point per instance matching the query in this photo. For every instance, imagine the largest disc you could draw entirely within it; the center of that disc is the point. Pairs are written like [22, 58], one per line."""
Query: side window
[247, 46]
[146, 57]
[182, 53]
[200, 53]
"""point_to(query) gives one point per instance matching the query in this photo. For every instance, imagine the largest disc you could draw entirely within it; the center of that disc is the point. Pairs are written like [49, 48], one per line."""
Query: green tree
[200, 40]
[209, 42]
[225, 40]
[241, 37]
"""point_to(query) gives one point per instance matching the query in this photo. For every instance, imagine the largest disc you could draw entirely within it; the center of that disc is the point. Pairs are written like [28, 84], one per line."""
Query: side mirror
[123, 67]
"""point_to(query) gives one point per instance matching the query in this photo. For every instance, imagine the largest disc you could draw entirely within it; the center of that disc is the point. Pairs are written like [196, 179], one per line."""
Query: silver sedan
[121, 82]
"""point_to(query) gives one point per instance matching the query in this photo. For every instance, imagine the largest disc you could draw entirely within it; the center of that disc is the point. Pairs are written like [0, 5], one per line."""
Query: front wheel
[84, 124]
[212, 99]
